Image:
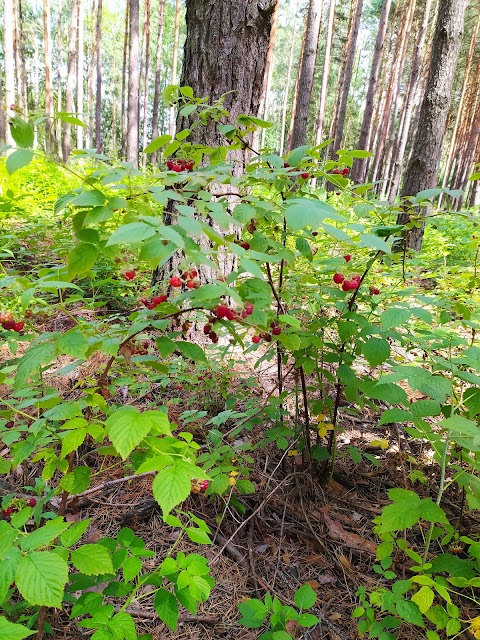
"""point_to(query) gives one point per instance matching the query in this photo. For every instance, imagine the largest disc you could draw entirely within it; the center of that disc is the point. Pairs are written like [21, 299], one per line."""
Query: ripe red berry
[191, 284]
[159, 299]
[245, 245]
[248, 306]
[129, 275]
[207, 328]
[286, 165]
[7, 512]
[346, 285]
[32, 502]
[347, 258]
[175, 281]
[9, 424]
[345, 171]
[305, 175]
[221, 310]
[267, 337]
[230, 314]
[276, 330]
[193, 274]
[8, 324]
[151, 305]
[338, 278]
[144, 301]
[203, 485]
[213, 337]
[256, 339]
[374, 291]
[18, 326]
[244, 314]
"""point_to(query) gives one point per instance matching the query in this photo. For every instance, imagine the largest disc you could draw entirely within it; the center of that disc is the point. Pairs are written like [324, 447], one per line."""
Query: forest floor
[295, 529]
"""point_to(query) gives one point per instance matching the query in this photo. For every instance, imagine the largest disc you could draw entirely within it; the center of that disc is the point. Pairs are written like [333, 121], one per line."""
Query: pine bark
[80, 70]
[59, 79]
[9, 62]
[23, 67]
[16, 57]
[320, 120]
[69, 104]
[98, 97]
[359, 169]
[158, 73]
[123, 113]
[146, 36]
[47, 52]
[307, 70]
[267, 81]
[176, 38]
[133, 85]
[91, 85]
[287, 92]
[422, 170]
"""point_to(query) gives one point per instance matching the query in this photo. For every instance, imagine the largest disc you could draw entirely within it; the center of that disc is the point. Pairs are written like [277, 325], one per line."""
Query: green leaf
[73, 343]
[458, 424]
[290, 341]
[44, 535]
[166, 607]
[12, 631]
[72, 440]
[171, 487]
[423, 598]
[372, 241]
[92, 560]
[307, 212]
[127, 428]
[197, 535]
[18, 159]
[8, 535]
[35, 356]
[395, 415]
[157, 143]
[307, 620]
[22, 132]
[8, 568]
[89, 198]
[304, 248]
[131, 233]
[409, 612]
[131, 568]
[81, 258]
[305, 597]
[376, 351]
[297, 155]
[254, 613]
[395, 317]
[76, 481]
[41, 578]
[403, 513]
[74, 533]
[192, 351]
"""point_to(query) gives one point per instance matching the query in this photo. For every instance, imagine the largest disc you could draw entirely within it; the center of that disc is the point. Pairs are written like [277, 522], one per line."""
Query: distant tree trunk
[123, 116]
[267, 81]
[36, 84]
[16, 57]
[98, 97]
[9, 62]
[47, 51]
[307, 70]
[320, 121]
[59, 79]
[146, 36]
[80, 71]
[287, 92]
[422, 170]
[2, 113]
[69, 104]
[414, 85]
[358, 172]
[91, 88]
[133, 86]
[176, 37]
[158, 74]
[347, 78]
[460, 108]
[23, 67]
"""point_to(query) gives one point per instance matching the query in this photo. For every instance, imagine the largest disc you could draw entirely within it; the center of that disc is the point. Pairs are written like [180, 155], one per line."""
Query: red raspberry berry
[221, 310]
[248, 306]
[245, 245]
[18, 326]
[8, 324]
[207, 328]
[159, 299]
[347, 258]
[345, 171]
[230, 314]
[305, 175]
[191, 284]
[256, 339]
[175, 282]
[203, 485]
[129, 275]
[193, 274]
[338, 278]
[151, 305]
[276, 330]
[9, 424]
[32, 502]
[213, 337]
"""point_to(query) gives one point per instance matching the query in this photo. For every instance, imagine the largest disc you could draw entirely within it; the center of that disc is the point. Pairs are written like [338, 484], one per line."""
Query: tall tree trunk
[16, 57]
[80, 71]
[23, 66]
[414, 86]
[307, 70]
[47, 52]
[359, 169]
[347, 79]
[320, 121]
[176, 38]
[287, 91]
[123, 116]
[267, 81]
[36, 84]
[146, 37]
[422, 170]
[69, 104]
[158, 73]
[133, 86]
[98, 97]
[9, 62]
[59, 79]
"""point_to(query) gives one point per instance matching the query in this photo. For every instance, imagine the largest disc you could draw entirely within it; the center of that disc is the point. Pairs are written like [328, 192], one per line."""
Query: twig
[110, 483]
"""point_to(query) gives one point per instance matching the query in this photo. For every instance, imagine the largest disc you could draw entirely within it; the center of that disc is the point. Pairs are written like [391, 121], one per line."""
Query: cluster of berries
[9, 324]
[180, 164]
[129, 275]
[347, 285]
[187, 278]
[198, 486]
[154, 302]
[305, 175]
[267, 336]
[17, 505]
[340, 172]
[222, 312]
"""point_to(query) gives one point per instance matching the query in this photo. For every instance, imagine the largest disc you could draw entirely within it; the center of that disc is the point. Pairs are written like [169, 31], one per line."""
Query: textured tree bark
[359, 169]
[16, 57]
[347, 79]
[9, 62]
[414, 86]
[422, 170]
[69, 104]
[23, 66]
[98, 97]
[133, 86]
[123, 114]
[59, 79]
[287, 92]
[176, 39]
[158, 73]
[267, 81]
[91, 85]
[307, 71]
[320, 122]
[80, 65]
[47, 51]
[146, 35]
